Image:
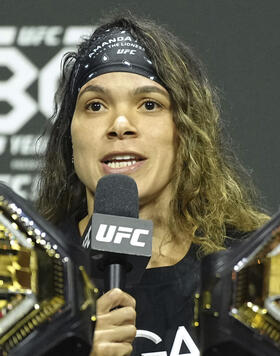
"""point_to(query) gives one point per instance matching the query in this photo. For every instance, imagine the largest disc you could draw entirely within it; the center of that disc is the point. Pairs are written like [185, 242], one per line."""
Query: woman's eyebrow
[150, 89]
[94, 88]
[140, 90]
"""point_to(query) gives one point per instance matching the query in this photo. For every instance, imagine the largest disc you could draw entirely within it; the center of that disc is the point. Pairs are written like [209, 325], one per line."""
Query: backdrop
[238, 41]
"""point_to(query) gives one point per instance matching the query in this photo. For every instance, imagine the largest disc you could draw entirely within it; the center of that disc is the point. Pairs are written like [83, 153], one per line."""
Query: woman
[134, 100]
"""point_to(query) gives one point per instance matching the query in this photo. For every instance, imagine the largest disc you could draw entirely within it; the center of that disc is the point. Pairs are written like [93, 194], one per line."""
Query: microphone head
[118, 237]
[116, 194]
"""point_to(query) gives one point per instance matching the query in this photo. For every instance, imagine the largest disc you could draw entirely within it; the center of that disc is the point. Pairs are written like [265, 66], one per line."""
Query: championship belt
[239, 302]
[47, 301]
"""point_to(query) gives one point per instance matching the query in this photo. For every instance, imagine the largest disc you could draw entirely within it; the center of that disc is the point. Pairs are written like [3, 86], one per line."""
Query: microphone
[121, 244]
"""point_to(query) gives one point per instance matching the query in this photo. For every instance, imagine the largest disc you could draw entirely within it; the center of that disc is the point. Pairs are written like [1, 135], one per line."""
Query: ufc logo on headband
[109, 233]
[126, 51]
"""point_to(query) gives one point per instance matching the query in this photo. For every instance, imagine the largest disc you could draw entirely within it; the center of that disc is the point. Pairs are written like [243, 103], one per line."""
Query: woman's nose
[122, 128]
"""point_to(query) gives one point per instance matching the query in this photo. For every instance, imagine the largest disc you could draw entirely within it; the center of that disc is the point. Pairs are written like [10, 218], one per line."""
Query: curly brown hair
[212, 192]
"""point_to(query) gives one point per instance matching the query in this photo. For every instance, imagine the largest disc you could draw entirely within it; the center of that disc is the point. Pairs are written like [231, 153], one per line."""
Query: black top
[164, 306]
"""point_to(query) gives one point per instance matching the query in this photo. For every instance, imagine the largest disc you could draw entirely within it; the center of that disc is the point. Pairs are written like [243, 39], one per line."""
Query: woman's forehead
[122, 81]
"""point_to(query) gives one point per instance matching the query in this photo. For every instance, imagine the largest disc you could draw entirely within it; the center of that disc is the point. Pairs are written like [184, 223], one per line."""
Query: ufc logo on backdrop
[22, 72]
[109, 233]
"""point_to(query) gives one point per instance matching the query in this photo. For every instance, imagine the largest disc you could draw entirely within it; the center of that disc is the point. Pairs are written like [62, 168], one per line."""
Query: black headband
[113, 51]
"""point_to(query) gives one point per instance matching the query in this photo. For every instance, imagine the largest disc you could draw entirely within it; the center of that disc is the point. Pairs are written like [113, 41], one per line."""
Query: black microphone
[121, 244]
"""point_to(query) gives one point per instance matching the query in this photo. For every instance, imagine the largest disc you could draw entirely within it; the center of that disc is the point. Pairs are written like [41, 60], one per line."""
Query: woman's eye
[151, 105]
[95, 106]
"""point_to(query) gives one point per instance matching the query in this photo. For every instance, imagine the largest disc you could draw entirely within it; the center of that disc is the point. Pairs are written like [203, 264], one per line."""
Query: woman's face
[123, 124]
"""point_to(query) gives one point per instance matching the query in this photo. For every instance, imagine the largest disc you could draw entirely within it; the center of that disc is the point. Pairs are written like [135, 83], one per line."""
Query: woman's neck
[167, 249]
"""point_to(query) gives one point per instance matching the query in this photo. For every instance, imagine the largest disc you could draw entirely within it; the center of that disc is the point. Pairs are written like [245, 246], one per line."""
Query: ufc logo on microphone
[109, 233]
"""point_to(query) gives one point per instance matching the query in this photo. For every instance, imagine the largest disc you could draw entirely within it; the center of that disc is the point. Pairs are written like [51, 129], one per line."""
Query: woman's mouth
[122, 163]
